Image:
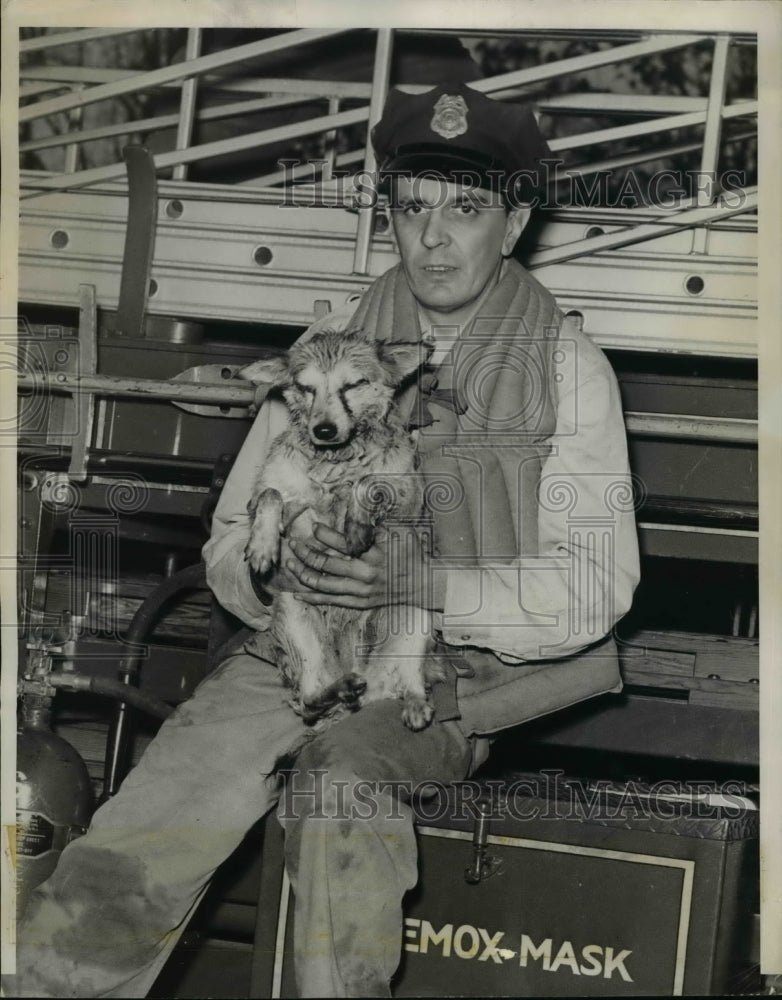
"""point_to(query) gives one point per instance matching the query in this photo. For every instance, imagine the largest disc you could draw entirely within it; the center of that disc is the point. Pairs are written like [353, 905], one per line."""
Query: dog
[348, 461]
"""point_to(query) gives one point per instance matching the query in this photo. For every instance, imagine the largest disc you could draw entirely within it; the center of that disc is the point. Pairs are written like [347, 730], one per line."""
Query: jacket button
[465, 638]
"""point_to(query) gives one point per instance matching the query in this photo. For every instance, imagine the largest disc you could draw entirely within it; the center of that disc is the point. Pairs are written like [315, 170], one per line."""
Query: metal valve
[483, 865]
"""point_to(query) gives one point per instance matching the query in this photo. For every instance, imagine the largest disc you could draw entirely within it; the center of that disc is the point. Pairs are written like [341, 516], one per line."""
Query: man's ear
[515, 225]
[268, 371]
[402, 358]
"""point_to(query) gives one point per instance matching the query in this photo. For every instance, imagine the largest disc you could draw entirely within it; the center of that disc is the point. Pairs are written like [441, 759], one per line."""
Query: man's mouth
[438, 268]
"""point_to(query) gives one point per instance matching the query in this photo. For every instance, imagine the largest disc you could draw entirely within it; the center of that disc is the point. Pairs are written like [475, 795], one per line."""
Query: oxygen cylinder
[54, 798]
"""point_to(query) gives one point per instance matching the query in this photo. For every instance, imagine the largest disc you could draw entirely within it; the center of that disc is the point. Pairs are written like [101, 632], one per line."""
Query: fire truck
[191, 200]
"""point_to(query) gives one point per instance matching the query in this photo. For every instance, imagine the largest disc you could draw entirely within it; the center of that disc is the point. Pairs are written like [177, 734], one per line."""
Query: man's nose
[435, 231]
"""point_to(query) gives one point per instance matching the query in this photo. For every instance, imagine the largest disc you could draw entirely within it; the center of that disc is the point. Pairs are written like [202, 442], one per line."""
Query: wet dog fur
[348, 461]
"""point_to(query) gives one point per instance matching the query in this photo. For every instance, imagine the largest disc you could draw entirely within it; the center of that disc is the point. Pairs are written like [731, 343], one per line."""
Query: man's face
[451, 240]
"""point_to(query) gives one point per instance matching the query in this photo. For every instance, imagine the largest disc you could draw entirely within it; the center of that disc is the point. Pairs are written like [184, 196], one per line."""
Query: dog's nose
[325, 431]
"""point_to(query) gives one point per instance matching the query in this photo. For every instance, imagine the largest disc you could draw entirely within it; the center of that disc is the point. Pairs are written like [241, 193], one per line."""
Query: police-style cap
[453, 131]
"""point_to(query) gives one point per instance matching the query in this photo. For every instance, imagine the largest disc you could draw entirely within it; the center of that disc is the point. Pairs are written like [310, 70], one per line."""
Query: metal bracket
[84, 402]
[482, 864]
[139, 241]
[214, 375]
[222, 467]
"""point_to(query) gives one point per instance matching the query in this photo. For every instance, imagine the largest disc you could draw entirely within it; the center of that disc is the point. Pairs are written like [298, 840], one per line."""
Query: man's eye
[467, 208]
[412, 209]
[307, 389]
[360, 383]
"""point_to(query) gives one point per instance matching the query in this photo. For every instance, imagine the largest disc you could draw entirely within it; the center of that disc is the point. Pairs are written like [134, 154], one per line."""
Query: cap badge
[450, 116]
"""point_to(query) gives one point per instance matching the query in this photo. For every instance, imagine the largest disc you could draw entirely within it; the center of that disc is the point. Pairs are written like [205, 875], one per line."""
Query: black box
[587, 890]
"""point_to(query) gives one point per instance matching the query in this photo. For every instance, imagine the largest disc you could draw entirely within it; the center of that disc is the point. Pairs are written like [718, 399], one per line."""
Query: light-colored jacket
[520, 622]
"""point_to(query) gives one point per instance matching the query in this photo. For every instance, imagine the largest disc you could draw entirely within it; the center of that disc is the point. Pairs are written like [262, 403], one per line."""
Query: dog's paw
[359, 536]
[263, 548]
[345, 693]
[351, 689]
[417, 713]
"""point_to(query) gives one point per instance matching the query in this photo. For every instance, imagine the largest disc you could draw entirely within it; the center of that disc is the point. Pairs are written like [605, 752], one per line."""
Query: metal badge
[450, 116]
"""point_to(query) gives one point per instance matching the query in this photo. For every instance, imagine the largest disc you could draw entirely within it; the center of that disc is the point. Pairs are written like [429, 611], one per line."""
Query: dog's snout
[325, 431]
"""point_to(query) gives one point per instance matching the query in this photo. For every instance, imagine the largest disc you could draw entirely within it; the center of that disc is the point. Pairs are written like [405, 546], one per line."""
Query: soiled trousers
[107, 919]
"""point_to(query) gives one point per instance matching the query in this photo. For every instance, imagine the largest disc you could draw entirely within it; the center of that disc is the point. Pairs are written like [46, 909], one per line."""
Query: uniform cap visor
[456, 166]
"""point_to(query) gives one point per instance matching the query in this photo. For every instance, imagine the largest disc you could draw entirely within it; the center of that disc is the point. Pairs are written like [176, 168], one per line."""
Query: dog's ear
[402, 358]
[268, 371]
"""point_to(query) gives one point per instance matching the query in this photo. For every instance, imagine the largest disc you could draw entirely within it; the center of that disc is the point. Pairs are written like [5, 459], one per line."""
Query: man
[534, 559]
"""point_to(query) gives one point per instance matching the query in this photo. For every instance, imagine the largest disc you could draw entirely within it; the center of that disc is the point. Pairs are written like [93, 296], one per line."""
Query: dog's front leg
[263, 547]
[360, 521]
[359, 536]
[378, 499]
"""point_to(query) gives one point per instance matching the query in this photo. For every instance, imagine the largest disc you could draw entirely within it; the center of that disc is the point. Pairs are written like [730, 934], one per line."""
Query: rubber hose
[68, 680]
[189, 578]
[125, 692]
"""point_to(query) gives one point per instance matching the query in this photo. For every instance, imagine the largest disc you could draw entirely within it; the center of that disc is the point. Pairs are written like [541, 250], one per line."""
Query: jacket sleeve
[227, 571]
[582, 580]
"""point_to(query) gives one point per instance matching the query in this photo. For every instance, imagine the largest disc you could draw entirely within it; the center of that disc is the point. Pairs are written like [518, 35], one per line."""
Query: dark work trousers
[105, 922]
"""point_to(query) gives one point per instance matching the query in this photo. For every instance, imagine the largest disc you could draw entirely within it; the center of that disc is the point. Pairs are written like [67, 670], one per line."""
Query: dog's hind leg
[346, 692]
[395, 665]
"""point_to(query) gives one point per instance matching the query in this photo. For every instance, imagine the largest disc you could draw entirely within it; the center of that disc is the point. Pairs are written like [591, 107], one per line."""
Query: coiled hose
[190, 578]
[118, 743]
